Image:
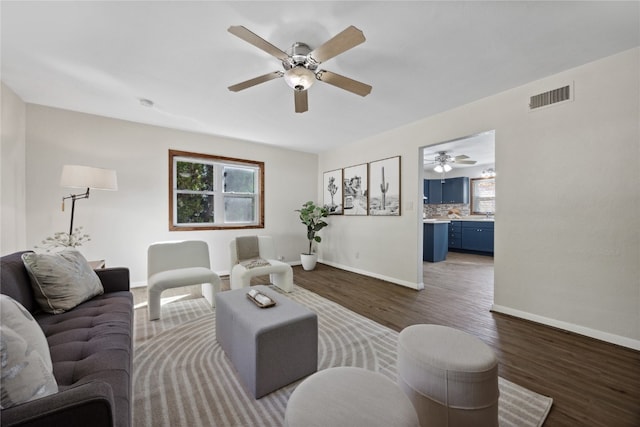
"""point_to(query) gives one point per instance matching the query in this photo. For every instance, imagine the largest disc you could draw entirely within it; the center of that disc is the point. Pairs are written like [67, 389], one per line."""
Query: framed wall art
[356, 196]
[332, 191]
[384, 183]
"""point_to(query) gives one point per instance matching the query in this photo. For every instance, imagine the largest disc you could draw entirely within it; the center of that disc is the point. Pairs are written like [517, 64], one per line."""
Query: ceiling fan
[301, 64]
[443, 161]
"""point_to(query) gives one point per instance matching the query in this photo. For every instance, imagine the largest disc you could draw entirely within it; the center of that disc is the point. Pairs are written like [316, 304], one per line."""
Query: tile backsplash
[434, 211]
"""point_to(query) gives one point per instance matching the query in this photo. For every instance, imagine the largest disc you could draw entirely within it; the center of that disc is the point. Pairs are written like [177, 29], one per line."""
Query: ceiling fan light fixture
[442, 167]
[299, 78]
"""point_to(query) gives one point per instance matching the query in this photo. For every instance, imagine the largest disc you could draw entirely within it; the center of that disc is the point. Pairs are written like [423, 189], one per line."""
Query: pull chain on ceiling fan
[300, 64]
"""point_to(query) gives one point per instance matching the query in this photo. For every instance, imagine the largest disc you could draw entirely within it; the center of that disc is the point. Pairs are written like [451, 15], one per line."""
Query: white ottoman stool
[347, 396]
[451, 377]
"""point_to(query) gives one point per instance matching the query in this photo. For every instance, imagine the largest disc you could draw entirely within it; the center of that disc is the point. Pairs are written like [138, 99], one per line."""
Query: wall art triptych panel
[367, 189]
[332, 191]
[384, 180]
[356, 196]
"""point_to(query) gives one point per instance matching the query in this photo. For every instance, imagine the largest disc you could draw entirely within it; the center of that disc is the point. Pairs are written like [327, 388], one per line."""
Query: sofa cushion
[93, 342]
[26, 372]
[61, 281]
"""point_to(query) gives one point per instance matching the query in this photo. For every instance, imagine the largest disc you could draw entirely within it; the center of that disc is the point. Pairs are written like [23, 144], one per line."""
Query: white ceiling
[480, 147]
[420, 57]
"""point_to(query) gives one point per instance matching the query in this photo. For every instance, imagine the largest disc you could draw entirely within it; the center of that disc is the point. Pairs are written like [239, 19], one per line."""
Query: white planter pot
[309, 261]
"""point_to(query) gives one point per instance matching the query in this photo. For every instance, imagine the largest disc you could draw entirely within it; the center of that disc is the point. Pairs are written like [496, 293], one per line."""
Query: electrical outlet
[280, 258]
[357, 255]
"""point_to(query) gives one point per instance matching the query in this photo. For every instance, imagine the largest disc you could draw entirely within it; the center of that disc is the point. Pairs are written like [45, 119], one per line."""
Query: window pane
[239, 180]
[239, 209]
[486, 206]
[195, 208]
[194, 176]
[483, 196]
[485, 188]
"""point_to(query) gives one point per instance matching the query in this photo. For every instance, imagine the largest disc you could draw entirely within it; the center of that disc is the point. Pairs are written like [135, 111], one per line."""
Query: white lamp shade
[447, 167]
[438, 168]
[299, 78]
[87, 177]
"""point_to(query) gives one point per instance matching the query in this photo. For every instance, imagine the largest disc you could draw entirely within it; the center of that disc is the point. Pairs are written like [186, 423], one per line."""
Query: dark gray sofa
[91, 349]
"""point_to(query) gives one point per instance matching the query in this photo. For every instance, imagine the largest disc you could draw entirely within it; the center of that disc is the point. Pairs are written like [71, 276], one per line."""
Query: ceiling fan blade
[300, 98]
[343, 82]
[466, 162]
[461, 157]
[256, 80]
[341, 42]
[257, 41]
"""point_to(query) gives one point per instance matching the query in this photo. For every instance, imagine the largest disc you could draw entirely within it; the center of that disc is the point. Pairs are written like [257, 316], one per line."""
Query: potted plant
[312, 216]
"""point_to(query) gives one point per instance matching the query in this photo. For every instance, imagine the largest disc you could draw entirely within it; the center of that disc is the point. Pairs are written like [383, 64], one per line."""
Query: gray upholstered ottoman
[269, 347]
[450, 376]
[348, 396]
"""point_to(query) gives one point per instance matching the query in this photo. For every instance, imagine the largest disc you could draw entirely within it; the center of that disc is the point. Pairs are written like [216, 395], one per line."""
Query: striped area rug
[183, 378]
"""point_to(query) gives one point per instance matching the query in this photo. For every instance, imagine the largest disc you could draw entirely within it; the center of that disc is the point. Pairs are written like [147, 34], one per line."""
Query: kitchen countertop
[464, 218]
[436, 221]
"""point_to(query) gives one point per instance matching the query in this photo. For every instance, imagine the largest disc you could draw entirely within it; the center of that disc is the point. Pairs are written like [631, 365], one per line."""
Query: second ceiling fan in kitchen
[443, 161]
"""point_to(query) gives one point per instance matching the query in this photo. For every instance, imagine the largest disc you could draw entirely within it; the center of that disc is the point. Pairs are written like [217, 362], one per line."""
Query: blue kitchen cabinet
[455, 235]
[452, 191]
[425, 192]
[435, 242]
[455, 190]
[477, 236]
[435, 192]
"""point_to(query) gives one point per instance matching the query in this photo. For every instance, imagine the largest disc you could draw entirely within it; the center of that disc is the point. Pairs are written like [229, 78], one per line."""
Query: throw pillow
[24, 373]
[61, 281]
[17, 318]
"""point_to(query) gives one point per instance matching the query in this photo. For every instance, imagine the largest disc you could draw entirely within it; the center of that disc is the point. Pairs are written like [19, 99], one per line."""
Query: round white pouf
[451, 377]
[347, 396]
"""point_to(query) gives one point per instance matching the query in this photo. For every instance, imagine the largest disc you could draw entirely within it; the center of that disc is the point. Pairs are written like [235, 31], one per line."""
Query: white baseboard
[416, 286]
[571, 327]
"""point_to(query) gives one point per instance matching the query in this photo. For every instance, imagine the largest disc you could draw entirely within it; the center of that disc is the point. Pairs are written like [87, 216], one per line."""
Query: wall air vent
[551, 97]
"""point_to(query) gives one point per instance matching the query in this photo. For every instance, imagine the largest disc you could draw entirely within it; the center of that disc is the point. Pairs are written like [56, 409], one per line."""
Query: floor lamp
[85, 177]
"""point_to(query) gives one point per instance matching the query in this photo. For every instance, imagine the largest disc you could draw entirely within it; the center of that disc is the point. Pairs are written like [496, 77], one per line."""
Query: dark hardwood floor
[592, 383]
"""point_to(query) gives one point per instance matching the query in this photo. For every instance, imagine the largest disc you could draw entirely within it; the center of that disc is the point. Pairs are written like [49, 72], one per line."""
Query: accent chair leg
[153, 303]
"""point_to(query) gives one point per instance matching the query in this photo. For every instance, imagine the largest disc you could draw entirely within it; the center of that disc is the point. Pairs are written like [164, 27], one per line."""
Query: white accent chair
[177, 264]
[280, 273]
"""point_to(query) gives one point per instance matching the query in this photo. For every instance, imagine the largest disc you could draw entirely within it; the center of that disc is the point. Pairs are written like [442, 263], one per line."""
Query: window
[209, 192]
[483, 196]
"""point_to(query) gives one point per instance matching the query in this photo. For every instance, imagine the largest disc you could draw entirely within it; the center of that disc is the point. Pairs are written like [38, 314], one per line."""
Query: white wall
[13, 192]
[567, 243]
[123, 223]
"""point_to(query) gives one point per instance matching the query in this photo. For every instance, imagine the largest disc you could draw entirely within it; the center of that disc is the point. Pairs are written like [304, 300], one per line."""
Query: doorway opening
[455, 177]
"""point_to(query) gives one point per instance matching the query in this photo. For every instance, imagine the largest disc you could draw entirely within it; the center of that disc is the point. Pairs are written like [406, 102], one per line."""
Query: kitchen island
[435, 240]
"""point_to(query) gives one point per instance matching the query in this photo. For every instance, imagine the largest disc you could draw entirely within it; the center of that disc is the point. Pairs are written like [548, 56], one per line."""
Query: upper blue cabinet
[435, 192]
[425, 192]
[452, 191]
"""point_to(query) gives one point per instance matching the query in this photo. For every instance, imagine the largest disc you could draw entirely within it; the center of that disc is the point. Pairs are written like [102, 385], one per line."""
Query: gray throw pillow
[26, 372]
[61, 281]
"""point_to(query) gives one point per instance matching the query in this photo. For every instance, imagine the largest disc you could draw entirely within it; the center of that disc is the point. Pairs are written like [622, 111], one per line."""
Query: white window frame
[219, 164]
